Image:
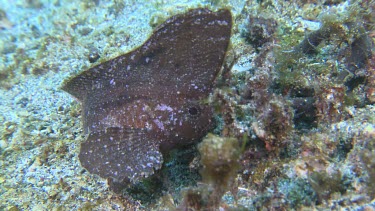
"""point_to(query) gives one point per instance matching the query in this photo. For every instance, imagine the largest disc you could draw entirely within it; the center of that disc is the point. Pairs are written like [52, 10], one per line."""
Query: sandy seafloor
[44, 42]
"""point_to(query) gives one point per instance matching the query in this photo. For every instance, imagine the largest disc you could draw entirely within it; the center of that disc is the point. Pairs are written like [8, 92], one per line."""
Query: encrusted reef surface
[293, 106]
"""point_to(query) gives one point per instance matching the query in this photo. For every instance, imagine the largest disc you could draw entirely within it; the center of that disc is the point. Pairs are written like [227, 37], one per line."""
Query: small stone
[93, 56]
[85, 31]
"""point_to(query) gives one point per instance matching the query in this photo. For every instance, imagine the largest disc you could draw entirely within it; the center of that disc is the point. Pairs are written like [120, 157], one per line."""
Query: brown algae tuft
[220, 164]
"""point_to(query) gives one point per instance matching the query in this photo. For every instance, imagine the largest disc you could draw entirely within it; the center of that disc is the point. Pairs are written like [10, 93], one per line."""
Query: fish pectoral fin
[120, 154]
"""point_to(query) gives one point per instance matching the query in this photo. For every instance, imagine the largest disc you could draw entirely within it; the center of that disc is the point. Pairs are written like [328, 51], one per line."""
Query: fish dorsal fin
[182, 56]
[121, 154]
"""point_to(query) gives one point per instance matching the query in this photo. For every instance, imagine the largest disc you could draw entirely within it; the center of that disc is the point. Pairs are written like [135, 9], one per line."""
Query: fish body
[150, 100]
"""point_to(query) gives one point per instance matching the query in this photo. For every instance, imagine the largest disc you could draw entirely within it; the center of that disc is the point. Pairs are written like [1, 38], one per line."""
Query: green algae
[297, 62]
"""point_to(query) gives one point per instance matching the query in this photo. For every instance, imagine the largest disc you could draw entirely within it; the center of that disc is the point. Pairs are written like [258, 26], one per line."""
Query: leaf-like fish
[149, 100]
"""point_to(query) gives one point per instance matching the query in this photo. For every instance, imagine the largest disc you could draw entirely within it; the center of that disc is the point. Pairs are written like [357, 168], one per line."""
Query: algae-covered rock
[219, 157]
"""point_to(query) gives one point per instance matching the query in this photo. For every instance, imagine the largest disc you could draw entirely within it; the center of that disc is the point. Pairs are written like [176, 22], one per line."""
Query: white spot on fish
[159, 124]
[163, 107]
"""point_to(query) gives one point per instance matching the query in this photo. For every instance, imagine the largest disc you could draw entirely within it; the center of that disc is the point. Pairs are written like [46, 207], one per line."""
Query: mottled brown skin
[149, 100]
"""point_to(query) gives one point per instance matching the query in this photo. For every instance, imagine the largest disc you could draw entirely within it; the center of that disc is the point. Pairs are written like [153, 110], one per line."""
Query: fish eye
[193, 111]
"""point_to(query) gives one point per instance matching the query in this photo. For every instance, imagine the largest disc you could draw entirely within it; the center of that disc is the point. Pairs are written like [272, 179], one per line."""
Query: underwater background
[294, 107]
